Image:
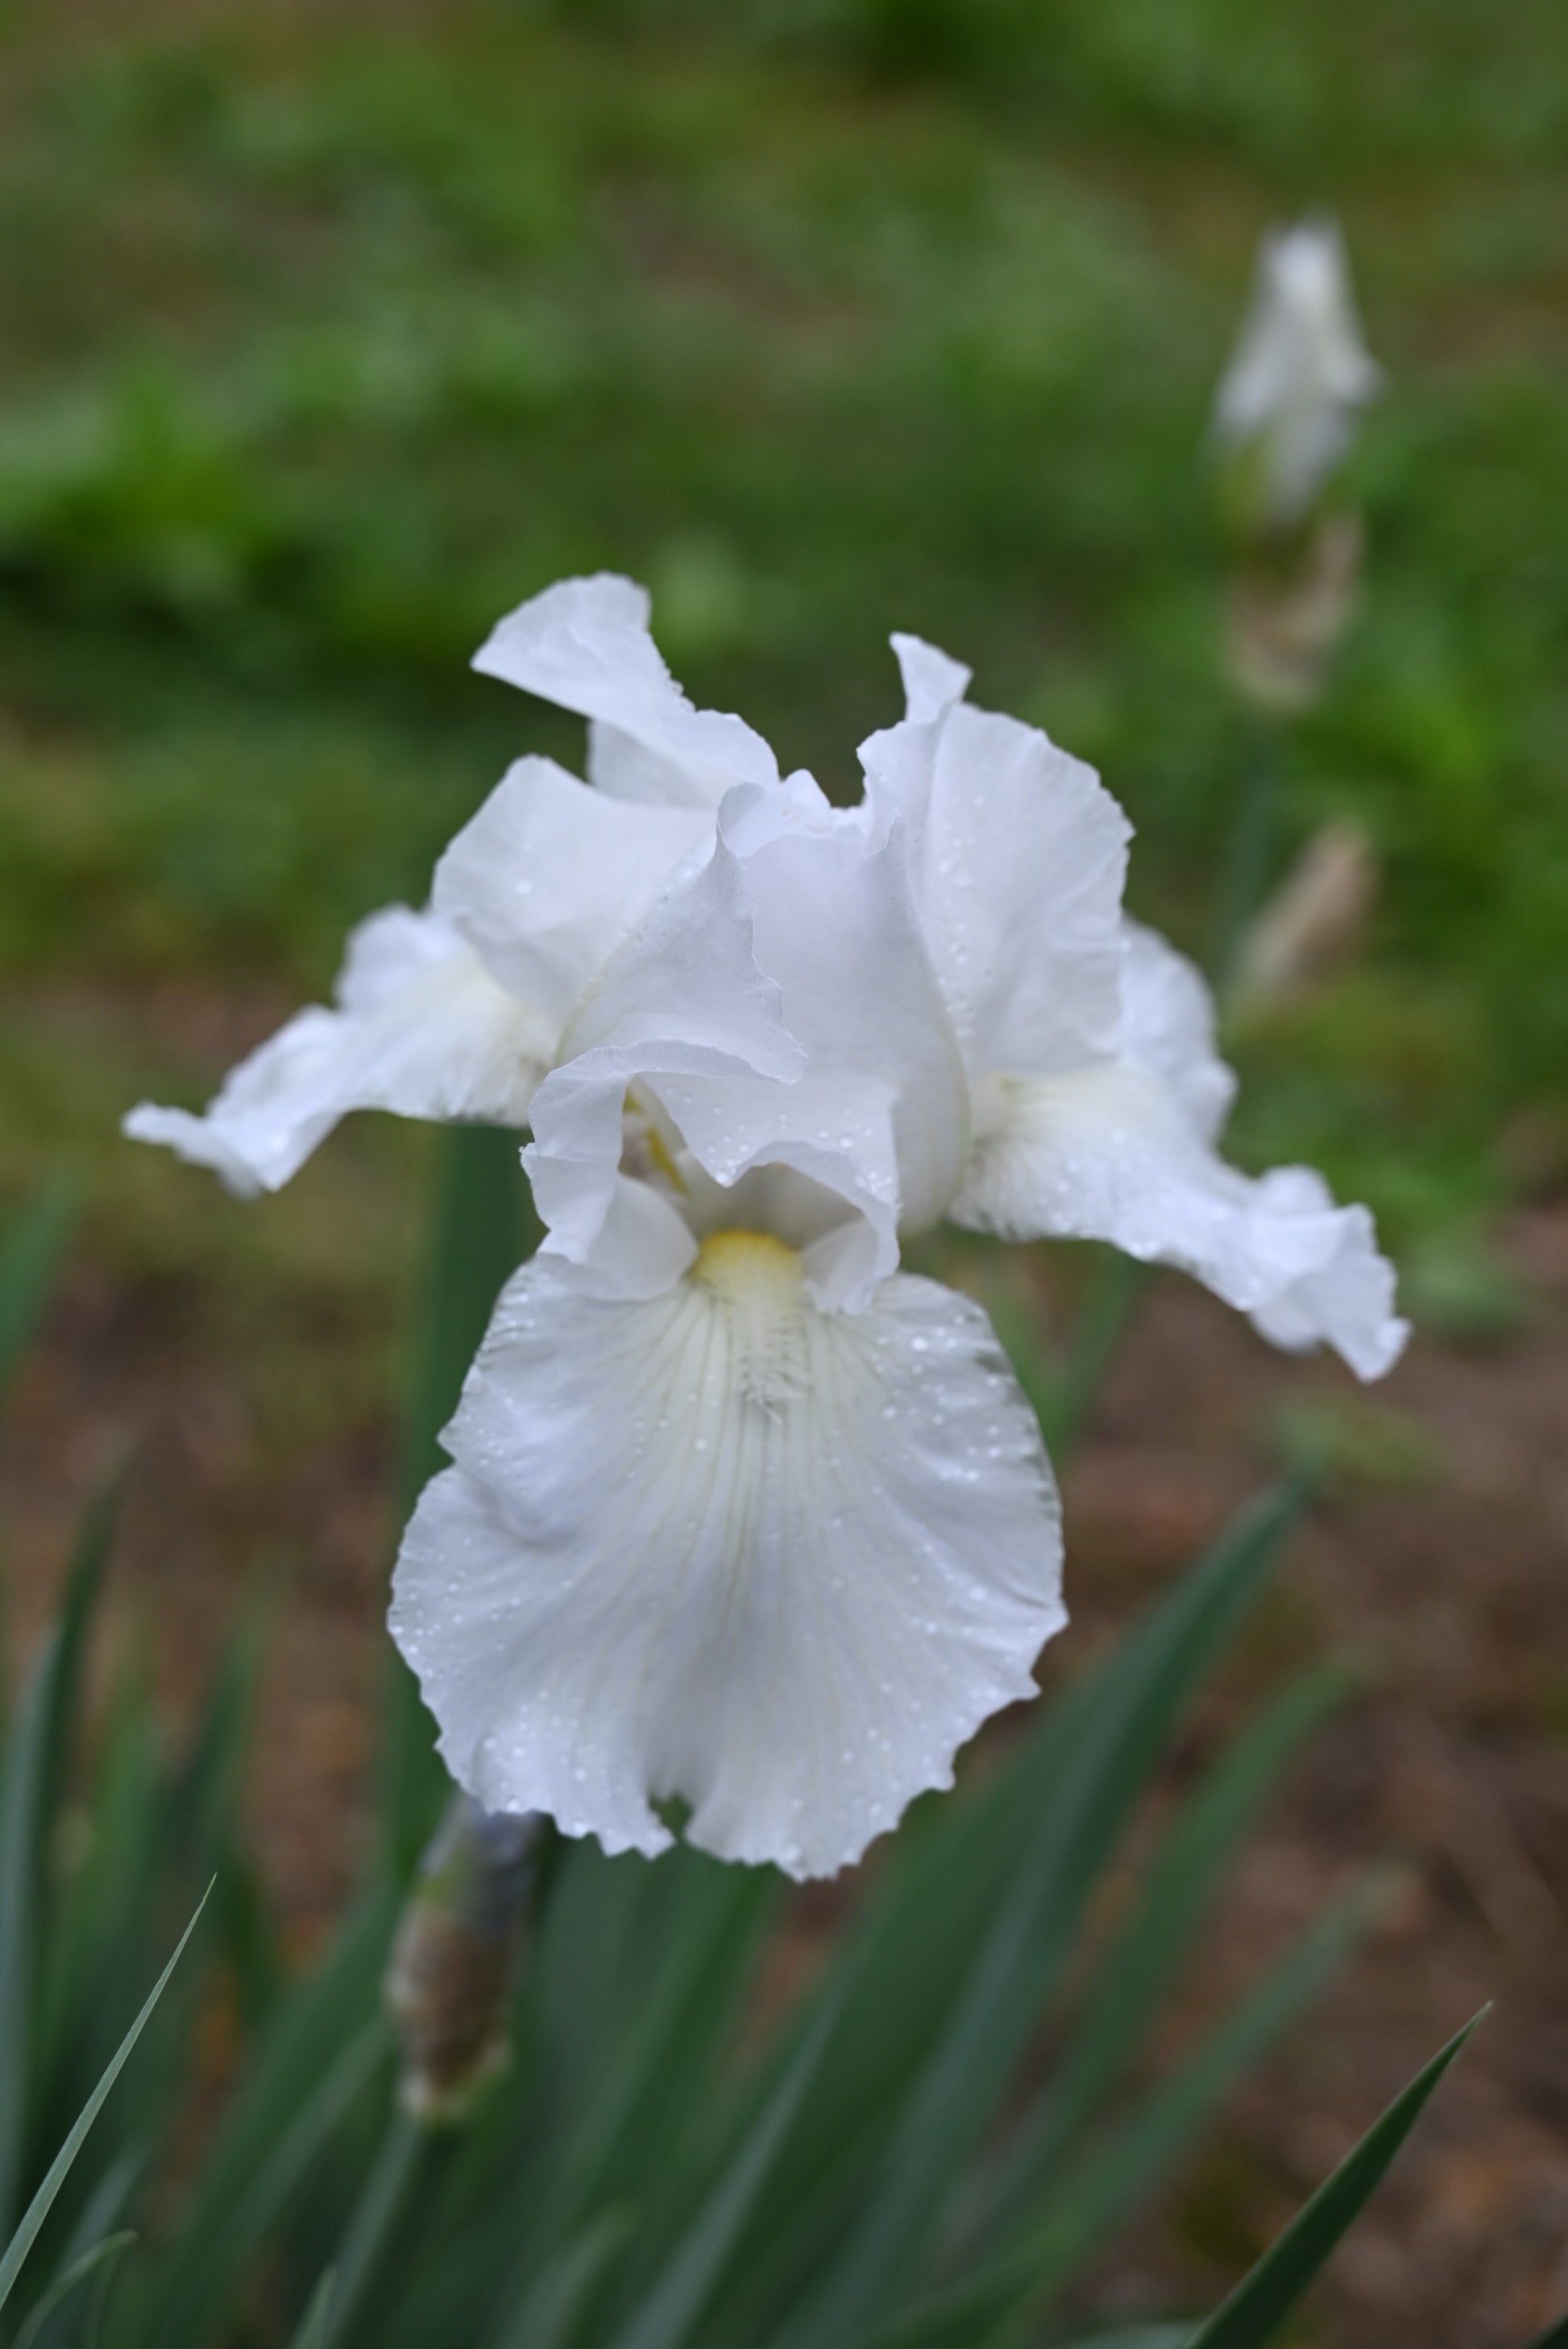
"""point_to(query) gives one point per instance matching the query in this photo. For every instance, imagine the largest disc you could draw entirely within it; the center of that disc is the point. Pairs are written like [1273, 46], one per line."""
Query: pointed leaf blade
[38, 2209]
[313, 2324]
[35, 1759]
[66, 2282]
[1106, 2183]
[1143, 1963]
[1118, 1739]
[1261, 2302]
[680, 2296]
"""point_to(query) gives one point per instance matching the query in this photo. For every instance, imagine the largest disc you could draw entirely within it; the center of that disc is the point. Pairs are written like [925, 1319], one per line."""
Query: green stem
[1250, 851]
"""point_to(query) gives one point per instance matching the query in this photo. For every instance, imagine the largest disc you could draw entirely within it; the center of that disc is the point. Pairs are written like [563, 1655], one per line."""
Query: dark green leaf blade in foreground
[546, 2318]
[1107, 2181]
[38, 2209]
[1260, 2304]
[1137, 2337]
[30, 1258]
[20, 1835]
[677, 2298]
[311, 2330]
[1027, 1936]
[998, 2307]
[313, 2059]
[34, 1760]
[1140, 1966]
[91, 2262]
[1556, 2335]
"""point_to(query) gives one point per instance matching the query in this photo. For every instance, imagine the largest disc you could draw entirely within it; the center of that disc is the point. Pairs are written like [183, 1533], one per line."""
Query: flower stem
[1249, 850]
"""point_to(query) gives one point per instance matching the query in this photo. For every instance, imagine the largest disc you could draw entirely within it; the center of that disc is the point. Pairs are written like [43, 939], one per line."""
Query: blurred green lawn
[331, 331]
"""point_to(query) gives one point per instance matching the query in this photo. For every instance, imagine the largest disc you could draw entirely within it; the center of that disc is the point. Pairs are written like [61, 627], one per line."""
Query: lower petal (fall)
[722, 1547]
[1111, 1153]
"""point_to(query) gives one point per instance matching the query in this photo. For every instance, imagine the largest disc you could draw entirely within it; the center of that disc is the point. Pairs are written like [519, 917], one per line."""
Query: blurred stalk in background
[1284, 419]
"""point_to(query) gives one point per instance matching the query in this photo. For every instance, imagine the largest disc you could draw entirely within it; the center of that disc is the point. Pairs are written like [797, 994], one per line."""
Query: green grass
[332, 333]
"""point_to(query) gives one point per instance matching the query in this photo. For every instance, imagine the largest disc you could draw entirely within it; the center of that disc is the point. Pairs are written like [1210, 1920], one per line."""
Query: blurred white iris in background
[1301, 374]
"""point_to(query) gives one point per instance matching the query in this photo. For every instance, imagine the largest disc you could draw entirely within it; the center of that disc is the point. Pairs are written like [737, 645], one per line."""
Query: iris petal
[1110, 1155]
[720, 1546]
[420, 1027]
[584, 644]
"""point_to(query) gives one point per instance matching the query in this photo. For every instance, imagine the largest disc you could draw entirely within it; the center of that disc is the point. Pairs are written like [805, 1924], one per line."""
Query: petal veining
[722, 1547]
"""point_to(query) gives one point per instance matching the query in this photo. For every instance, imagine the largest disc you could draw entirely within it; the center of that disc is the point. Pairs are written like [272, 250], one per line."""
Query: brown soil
[1439, 1569]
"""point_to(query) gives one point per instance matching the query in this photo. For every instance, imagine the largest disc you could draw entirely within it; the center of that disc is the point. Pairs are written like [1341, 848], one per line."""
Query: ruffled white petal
[584, 644]
[1168, 1026]
[933, 679]
[683, 997]
[722, 1547]
[873, 1105]
[549, 877]
[880, 1112]
[643, 1244]
[834, 1131]
[1017, 856]
[1110, 1155]
[421, 1028]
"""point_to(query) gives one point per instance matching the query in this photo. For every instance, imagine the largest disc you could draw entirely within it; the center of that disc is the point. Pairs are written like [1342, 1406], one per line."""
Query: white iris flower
[1300, 374]
[740, 1513]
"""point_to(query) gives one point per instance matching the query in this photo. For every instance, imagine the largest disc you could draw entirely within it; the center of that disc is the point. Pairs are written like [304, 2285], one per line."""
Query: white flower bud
[1287, 404]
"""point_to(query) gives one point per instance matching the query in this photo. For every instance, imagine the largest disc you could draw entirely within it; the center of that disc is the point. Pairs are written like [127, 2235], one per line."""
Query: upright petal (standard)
[585, 643]
[1095, 1093]
[1017, 858]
